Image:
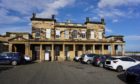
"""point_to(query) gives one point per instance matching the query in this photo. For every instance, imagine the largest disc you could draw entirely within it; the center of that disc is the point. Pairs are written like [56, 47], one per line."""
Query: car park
[88, 58]
[133, 74]
[120, 63]
[13, 58]
[100, 60]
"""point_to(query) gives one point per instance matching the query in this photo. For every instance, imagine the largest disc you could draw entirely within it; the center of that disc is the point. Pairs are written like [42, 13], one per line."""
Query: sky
[122, 17]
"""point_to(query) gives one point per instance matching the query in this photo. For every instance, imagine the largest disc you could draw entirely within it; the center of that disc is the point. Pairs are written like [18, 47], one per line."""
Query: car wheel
[14, 63]
[119, 68]
[101, 65]
[88, 62]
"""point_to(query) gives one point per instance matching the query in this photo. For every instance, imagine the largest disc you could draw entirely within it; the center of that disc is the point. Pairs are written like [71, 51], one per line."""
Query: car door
[127, 62]
[133, 62]
[3, 58]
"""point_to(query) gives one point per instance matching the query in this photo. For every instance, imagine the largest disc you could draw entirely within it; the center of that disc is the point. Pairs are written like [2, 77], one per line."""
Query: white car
[120, 63]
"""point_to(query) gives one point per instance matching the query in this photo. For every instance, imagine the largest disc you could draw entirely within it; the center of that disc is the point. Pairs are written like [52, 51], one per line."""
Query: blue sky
[122, 17]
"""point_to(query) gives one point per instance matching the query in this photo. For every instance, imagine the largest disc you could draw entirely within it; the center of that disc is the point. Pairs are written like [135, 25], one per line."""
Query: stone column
[74, 49]
[112, 49]
[93, 48]
[27, 49]
[52, 53]
[123, 50]
[41, 52]
[84, 49]
[10, 47]
[102, 48]
[64, 52]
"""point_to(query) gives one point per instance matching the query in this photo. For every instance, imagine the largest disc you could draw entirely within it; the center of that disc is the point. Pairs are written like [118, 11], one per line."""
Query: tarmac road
[59, 73]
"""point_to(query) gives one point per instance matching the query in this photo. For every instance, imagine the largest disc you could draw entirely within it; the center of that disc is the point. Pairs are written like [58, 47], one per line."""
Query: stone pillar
[52, 53]
[123, 50]
[40, 52]
[93, 48]
[112, 49]
[74, 49]
[84, 49]
[27, 49]
[102, 48]
[64, 52]
[10, 47]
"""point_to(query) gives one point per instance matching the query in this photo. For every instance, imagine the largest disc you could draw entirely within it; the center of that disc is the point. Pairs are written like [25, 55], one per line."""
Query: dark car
[133, 74]
[10, 58]
[100, 60]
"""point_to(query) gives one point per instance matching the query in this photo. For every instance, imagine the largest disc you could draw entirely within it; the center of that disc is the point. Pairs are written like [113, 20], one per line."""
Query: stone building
[55, 40]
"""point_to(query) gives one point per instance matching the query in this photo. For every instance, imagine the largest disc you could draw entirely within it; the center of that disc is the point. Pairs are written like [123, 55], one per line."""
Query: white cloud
[52, 8]
[112, 13]
[113, 8]
[25, 8]
[115, 20]
[20, 11]
[6, 19]
[133, 37]
[116, 3]
[132, 42]
[15, 29]
[108, 30]
[89, 8]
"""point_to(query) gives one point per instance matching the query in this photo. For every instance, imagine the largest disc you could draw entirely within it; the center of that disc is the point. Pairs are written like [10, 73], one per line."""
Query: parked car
[133, 74]
[27, 59]
[136, 57]
[100, 60]
[77, 58]
[87, 58]
[10, 58]
[120, 63]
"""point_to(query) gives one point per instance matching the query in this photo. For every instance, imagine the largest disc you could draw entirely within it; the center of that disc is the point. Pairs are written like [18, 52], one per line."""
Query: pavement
[58, 73]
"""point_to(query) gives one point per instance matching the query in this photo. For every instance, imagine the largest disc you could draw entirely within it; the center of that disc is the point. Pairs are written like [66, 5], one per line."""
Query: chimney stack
[34, 15]
[102, 21]
[53, 17]
[87, 19]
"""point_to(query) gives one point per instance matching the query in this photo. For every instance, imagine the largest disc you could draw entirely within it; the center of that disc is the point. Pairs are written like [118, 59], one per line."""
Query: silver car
[87, 58]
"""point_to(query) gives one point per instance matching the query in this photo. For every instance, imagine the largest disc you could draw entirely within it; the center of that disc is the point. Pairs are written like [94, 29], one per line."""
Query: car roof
[10, 52]
[119, 56]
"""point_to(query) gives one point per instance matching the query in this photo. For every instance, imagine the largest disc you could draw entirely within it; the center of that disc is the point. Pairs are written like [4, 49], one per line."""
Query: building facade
[53, 40]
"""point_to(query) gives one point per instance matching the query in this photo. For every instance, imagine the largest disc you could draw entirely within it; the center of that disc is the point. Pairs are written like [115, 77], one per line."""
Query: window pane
[37, 35]
[83, 34]
[66, 34]
[100, 35]
[57, 33]
[48, 33]
[74, 34]
[92, 35]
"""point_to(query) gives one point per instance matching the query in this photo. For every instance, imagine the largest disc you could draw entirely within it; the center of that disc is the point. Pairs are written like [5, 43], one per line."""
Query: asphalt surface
[58, 73]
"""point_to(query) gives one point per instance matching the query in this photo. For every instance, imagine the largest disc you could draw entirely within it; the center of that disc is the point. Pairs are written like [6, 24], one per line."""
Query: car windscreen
[3, 54]
[112, 58]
